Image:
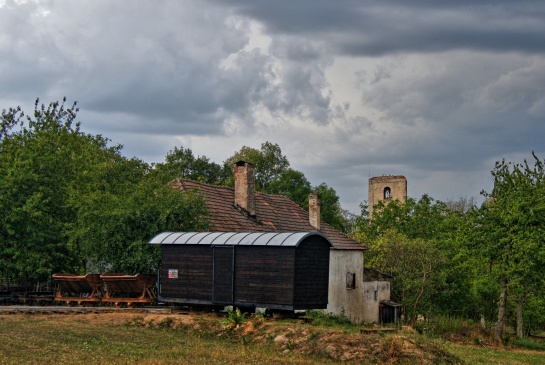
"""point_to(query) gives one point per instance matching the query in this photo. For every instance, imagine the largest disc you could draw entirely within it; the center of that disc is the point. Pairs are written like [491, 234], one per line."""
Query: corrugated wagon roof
[285, 239]
[274, 213]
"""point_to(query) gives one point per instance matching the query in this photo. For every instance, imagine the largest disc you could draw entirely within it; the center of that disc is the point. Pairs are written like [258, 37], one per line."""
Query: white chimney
[244, 173]
[314, 211]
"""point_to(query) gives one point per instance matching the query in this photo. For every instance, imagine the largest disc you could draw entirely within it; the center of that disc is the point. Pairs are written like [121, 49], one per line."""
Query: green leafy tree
[293, 184]
[181, 163]
[509, 234]
[115, 225]
[269, 163]
[44, 159]
[68, 200]
[433, 228]
[274, 176]
[415, 264]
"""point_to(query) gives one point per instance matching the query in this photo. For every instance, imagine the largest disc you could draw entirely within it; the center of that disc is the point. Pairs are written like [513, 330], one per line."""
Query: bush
[529, 344]
[443, 326]
[322, 318]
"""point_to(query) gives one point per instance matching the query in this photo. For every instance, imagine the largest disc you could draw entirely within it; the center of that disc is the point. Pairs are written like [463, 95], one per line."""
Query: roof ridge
[182, 180]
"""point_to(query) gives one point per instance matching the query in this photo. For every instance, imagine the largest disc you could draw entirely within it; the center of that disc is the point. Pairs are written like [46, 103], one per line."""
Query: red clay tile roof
[274, 213]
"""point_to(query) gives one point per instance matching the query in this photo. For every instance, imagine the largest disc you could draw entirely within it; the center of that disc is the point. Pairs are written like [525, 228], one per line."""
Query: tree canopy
[68, 199]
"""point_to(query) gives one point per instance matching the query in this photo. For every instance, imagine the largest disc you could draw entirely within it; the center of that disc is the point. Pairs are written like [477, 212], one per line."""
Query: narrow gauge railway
[119, 290]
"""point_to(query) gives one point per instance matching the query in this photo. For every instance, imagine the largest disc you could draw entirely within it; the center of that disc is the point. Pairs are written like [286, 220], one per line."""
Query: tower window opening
[387, 193]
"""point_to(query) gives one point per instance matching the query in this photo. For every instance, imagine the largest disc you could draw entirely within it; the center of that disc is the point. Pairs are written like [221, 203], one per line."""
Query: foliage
[508, 234]
[67, 197]
[269, 163]
[274, 176]
[43, 162]
[528, 344]
[322, 318]
[235, 318]
[181, 163]
[415, 265]
[446, 326]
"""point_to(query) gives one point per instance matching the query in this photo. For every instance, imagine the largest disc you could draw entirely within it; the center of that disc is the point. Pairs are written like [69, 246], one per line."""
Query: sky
[436, 91]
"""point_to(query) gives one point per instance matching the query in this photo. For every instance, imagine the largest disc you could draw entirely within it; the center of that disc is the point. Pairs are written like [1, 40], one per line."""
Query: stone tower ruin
[386, 187]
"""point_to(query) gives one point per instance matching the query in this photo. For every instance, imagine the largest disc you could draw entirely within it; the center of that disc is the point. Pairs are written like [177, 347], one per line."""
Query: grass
[69, 339]
[495, 356]
[121, 338]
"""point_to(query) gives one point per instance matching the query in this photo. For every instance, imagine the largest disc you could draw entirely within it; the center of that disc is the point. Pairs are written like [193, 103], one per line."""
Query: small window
[350, 280]
[376, 295]
[387, 193]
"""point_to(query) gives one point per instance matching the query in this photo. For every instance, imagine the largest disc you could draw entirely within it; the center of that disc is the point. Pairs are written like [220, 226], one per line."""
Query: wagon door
[224, 262]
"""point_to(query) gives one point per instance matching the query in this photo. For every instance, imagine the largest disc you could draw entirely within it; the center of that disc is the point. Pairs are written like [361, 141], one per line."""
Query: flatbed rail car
[105, 289]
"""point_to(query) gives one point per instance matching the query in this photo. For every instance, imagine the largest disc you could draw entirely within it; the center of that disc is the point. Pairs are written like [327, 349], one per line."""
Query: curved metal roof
[284, 239]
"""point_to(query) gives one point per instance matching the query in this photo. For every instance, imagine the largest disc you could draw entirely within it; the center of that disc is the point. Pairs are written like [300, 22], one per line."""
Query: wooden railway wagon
[277, 271]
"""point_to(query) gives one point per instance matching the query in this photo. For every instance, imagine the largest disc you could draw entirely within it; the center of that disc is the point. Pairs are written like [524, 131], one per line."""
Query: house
[242, 209]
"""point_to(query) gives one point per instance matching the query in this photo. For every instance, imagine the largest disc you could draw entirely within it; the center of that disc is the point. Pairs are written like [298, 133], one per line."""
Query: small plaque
[173, 273]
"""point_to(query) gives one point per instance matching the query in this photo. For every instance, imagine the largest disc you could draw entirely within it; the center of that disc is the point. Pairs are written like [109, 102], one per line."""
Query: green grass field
[120, 338]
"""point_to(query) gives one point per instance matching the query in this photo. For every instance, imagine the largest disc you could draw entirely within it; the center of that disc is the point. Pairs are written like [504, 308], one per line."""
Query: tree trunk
[500, 326]
[520, 331]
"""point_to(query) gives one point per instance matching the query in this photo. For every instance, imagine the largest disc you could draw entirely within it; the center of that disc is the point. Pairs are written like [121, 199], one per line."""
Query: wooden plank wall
[264, 274]
[223, 274]
[195, 269]
[312, 273]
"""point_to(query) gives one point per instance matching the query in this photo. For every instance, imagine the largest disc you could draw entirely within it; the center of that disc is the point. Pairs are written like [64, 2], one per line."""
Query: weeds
[235, 318]
[321, 318]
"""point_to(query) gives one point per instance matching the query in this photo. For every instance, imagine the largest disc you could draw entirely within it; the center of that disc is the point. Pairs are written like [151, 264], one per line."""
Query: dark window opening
[387, 193]
[350, 280]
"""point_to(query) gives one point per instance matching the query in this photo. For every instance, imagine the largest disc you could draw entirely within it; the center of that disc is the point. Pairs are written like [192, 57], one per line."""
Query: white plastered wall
[374, 292]
[342, 300]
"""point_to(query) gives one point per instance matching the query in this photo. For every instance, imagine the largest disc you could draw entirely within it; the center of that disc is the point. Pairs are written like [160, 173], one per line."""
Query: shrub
[322, 318]
[529, 344]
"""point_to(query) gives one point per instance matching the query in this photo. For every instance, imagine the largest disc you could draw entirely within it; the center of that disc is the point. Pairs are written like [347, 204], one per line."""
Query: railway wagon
[110, 288]
[278, 271]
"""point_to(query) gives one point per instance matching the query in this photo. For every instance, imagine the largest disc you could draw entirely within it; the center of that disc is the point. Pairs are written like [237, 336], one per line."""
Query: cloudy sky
[433, 90]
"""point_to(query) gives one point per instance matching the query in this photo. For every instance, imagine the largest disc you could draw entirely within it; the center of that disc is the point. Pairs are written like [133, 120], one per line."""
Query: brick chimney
[314, 211]
[245, 186]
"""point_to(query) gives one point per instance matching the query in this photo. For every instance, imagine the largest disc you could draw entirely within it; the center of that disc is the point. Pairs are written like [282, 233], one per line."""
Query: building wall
[373, 293]
[397, 186]
[342, 300]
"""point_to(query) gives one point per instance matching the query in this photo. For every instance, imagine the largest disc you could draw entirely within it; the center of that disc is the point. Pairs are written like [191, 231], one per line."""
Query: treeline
[72, 203]
[460, 259]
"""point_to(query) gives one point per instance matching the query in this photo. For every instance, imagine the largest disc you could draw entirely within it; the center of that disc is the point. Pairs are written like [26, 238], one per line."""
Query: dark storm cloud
[374, 28]
[434, 90]
[149, 59]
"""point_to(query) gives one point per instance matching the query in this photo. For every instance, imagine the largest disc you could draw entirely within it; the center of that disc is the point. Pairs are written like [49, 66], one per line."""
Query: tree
[509, 234]
[415, 265]
[424, 218]
[293, 184]
[67, 197]
[269, 163]
[181, 163]
[42, 163]
[116, 222]
[433, 228]
[274, 176]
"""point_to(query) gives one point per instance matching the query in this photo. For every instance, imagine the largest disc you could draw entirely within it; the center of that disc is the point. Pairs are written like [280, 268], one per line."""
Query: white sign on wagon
[173, 273]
